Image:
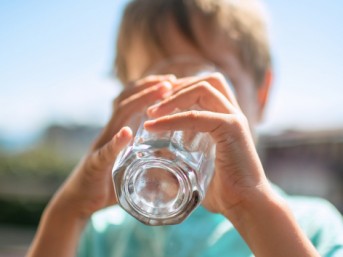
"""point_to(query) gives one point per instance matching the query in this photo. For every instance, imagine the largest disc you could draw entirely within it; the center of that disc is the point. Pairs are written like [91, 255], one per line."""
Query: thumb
[107, 154]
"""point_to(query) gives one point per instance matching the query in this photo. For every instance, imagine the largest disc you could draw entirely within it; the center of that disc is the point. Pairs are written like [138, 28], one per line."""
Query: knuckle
[154, 79]
[101, 154]
[137, 82]
[216, 77]
[120, 106]
[147, 79]
[204, 87]
[115, 103]
[124, 103]
[204, 91]
[170, 77]
[122, 97]
[234, 128]
[130, 83]
[110, 149]
[91, 168]
[239, 123]
[193, 115]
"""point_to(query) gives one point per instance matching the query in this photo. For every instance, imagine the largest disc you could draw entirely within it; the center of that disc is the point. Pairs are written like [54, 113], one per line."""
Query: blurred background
[56, 93]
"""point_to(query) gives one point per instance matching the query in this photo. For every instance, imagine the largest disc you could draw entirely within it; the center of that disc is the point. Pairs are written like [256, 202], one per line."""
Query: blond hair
[242, 21]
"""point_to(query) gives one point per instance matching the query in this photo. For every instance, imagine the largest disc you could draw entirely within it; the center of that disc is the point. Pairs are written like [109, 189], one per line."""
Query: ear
[263, 92]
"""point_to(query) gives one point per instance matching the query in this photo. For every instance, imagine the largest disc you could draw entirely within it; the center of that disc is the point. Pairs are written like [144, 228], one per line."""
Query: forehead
[138, 56]
[142, 57]
[212, 45]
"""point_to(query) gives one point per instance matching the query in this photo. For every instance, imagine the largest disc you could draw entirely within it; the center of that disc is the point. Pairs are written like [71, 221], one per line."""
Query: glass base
[156, 190]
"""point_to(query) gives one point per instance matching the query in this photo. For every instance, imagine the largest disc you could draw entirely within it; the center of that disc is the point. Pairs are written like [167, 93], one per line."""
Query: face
[214, 49]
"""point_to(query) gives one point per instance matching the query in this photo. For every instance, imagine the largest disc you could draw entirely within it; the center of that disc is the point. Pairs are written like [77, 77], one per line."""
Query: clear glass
[160, 178]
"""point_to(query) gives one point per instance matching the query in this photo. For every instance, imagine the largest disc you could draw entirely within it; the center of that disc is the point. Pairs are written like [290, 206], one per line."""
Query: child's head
[230, 34]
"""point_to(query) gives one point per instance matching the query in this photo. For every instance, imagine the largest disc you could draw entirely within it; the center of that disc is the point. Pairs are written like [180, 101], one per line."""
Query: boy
[242, 214]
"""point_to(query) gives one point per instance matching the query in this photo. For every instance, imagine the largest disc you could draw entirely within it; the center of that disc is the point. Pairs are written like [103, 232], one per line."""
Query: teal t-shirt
[113, 233]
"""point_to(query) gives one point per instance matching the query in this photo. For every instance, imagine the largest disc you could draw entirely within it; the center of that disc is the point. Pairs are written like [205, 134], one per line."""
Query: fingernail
[149, 123]
[120, 134]
[166, 85]
[156, 105]
[152, 109]
[166, 88]
[122, 131]
[167, 94]
[171, 77]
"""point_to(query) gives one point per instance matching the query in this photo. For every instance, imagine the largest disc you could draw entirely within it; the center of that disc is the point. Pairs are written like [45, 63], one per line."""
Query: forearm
[269, 228]
[58, 233]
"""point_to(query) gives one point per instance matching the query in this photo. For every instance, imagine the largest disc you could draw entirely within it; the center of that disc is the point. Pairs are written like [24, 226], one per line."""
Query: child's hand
[238, 171]
[90, 187]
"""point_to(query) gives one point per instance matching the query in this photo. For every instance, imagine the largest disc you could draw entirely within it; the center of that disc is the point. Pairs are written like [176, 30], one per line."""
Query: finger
[144, 83]
[148, 95]
[201, 94]
[199, 121]
[107, 154]
[153, 79]
[223, 84]
[216, 79]
[126, 108]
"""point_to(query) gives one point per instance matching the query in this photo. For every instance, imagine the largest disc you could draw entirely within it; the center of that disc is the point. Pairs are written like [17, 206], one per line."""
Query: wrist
[58, 231]
[268, 226]
[61, 211]
[72, 199]
[253, 207]
[63, 207]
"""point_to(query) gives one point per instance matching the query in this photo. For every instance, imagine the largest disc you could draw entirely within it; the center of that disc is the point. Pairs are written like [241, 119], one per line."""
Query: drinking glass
[160, 178]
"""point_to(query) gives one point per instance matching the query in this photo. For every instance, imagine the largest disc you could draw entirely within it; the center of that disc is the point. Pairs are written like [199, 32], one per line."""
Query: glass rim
[160, 68]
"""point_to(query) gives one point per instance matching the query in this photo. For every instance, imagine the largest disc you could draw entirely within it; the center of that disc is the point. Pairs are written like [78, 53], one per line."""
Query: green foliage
[29, 178]
[40, 162]
[18, 212]
[21, 175]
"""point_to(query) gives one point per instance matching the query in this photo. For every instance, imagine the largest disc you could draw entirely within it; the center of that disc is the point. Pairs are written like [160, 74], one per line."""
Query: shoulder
[320, 220]
[113, 215]
[315, 212]
[109, 222]
[103, 232]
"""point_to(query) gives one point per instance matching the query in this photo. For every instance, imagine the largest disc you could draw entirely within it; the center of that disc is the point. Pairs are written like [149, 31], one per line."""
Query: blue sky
[55, 59]
[307, 41]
